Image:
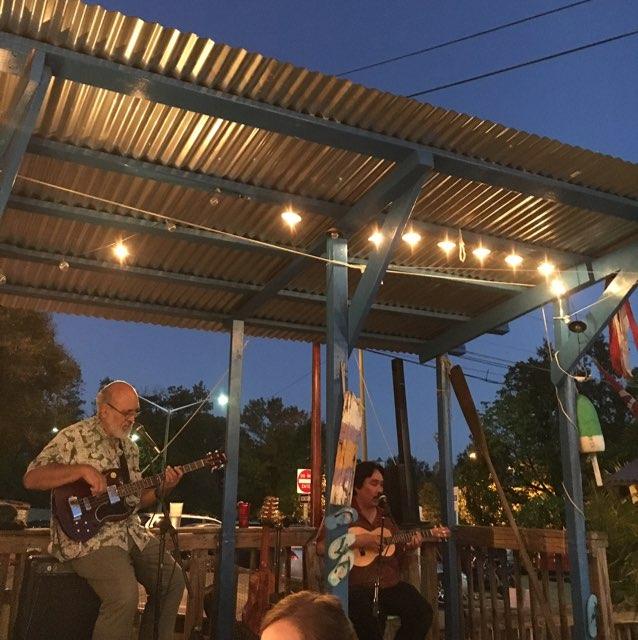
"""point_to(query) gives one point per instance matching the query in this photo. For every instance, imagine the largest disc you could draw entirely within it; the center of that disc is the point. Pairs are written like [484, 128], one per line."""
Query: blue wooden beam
[206, 182]
[573, 489]
[26, 110]
[371, 204]
[188, 179]
[576, 279]
[336, 379]
[227, 594]
[127, 80]
[573, 345]
[8, 250]
[391, 232]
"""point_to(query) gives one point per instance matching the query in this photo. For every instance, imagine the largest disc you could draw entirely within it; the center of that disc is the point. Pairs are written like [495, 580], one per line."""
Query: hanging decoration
[619, 326]
[627, 398]
[591, 433]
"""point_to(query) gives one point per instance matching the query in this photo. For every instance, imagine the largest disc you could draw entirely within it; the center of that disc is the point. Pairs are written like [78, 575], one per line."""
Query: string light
[481, 252]
[3, 278]
[412, 237]
[446, 245]
[514, 260]
[170, 226]
[376, 238]
[557, 287]
[121, 251]
[63, 266]
[54, 430]
[135, 437]
[546, 268]
[472, 455]
[291, 218]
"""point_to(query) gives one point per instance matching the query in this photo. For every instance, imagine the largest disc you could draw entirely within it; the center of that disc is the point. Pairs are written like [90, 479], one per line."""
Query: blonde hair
[317, 616]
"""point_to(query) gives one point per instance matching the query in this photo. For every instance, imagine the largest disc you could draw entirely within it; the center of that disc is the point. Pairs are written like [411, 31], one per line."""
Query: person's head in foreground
[307, 615]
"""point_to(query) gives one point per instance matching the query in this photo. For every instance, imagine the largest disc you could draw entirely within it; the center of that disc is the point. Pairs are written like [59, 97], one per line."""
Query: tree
[40, 389]
[521, 428]
[275, 442]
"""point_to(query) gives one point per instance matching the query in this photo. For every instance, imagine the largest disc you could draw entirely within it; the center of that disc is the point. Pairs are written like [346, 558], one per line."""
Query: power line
[461, 39]
[551, 56]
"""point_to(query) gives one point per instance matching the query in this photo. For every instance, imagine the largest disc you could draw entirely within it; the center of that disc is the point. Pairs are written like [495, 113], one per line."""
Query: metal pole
[315, 436]
[449, 557]
[336, 371]
[227, 596]
[573, 488]
[362, 399]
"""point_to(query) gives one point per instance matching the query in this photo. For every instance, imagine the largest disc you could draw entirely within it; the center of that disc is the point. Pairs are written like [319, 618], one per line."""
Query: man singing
[123, 553]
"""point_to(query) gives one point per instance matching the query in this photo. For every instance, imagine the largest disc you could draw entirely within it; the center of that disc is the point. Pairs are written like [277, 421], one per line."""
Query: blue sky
[589, 99]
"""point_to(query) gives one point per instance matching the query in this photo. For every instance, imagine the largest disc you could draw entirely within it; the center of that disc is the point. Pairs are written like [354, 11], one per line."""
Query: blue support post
[449, 556]
[27, 108]
[336, 364]
[227, 596]
[573, 488]
[391, 233]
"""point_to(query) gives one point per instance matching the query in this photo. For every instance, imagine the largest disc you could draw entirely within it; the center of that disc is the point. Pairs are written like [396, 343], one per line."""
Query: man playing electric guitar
[396, 597]
[121, 553]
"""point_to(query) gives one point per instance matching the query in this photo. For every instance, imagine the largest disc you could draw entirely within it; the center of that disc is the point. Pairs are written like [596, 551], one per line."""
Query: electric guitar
[366, 555]
[81, 515]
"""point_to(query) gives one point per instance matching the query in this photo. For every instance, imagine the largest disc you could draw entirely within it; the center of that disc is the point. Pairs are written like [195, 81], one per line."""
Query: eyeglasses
[125, 414]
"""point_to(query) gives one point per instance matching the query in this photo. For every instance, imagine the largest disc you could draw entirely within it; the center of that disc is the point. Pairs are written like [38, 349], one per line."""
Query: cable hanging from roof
[471, 36]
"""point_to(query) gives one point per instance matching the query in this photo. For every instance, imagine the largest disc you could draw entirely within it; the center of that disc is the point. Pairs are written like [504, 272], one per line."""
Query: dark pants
[402, 600]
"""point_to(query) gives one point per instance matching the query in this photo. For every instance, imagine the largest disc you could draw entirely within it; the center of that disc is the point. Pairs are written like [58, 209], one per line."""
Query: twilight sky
[588, 98]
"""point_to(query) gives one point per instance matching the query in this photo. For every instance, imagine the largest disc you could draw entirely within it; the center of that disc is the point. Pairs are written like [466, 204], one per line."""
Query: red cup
[243, 513]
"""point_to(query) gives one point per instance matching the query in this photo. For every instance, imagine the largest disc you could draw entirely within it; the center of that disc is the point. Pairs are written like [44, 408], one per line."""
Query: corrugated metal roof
[134, 127]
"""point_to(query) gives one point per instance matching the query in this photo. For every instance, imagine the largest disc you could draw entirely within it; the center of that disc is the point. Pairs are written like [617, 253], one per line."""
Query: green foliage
[617, 516]
[40, 389]
[275, 442]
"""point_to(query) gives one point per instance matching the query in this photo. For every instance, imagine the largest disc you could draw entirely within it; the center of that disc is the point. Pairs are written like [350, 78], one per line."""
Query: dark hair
[365, 470]
[317, 616]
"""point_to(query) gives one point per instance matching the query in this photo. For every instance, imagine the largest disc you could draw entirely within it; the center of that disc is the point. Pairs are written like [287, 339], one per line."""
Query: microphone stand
[166, 526]
[377, 581]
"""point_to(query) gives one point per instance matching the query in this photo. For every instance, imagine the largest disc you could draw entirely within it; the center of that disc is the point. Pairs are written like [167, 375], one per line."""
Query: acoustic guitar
[81, 515]
[261, 583]
[366, 555]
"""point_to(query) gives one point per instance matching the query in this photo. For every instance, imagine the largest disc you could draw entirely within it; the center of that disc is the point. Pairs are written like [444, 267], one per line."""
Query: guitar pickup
[76, 509]
[111, 491]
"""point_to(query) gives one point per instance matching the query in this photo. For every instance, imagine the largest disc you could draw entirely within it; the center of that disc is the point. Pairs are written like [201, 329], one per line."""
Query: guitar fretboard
[137, 487]
[405, 536]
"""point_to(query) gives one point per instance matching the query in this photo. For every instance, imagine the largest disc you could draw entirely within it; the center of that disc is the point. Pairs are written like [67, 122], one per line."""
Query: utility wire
[528, 63]
[471, 36]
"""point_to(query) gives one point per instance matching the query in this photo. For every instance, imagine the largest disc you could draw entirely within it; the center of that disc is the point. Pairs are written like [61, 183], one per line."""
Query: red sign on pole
[303, 481]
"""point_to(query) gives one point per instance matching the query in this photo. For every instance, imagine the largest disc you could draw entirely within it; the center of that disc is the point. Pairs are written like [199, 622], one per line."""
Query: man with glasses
[123, 553]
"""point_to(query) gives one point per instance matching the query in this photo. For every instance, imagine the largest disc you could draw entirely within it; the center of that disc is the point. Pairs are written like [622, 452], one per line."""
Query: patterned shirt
[86, 442]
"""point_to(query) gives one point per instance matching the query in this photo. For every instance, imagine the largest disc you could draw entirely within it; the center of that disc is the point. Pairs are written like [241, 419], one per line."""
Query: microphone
[141, 432]
[382, 501]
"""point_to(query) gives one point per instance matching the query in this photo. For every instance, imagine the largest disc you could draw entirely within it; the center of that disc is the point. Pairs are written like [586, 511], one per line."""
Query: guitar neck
[405, 536]
[135, 488]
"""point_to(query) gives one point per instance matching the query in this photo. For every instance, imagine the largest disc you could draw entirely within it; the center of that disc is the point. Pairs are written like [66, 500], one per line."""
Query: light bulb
[412, 238]
[291, 218]
[376, 238]
[514, 260]
[557, 287]
[120, 251]
[546, 268]
[222, 399]
[481, 252]
[446, 245]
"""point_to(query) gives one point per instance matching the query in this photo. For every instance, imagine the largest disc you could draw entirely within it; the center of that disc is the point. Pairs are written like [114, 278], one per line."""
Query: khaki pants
[114, 575]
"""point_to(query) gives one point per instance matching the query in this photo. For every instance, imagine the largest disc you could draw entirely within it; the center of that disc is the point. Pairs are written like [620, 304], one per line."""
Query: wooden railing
[497, 599]
[497, 602]
[200, 543]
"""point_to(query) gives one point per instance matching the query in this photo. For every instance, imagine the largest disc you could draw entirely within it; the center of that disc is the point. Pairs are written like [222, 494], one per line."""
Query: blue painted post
[227, 596]
[573, 487]
[336, 362]
[449, 557]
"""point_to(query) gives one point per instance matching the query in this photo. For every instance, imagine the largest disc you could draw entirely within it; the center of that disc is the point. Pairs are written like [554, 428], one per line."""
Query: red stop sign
[303, 480]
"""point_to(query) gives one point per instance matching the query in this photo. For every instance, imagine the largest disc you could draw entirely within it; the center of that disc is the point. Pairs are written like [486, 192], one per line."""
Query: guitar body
[80, 514]
[367, 555]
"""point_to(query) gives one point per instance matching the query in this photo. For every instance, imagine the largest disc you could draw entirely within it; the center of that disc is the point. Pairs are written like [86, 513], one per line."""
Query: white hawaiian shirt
[86, 442]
